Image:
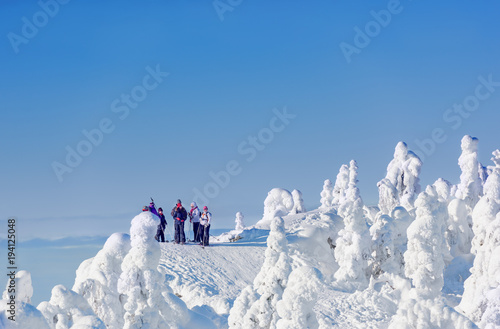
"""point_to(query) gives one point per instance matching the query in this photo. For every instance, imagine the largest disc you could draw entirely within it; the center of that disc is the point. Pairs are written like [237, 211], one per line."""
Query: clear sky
[357, 77]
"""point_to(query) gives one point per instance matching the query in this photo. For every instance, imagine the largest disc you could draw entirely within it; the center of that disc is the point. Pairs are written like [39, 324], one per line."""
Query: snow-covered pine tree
[427, 249]
[299, 298]
[470, 187]
[298, 202]
[25, 314]
[353, 249]
[401, 184]
[66, 309]
[326, 194]
[240, 225]
[341, 185]
[147, 298]
[486, 247]
[241, 305]
[97, 280]
[269, 283]
[277, 198]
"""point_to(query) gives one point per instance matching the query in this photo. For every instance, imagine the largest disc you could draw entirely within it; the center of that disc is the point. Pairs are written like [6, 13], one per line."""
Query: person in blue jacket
[179, 214]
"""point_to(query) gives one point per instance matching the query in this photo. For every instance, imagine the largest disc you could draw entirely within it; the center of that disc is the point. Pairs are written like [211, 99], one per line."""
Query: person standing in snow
[179, 214]
[194, 217]
[160, 235]
[206, 219]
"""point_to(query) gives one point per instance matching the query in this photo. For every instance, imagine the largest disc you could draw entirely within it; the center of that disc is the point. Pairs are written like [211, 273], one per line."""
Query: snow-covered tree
[298, 202]
[327, 194]
[23, 287]
[416, 312]
[147, 298]
[299, 298]
[20, 308]
[268, 285]
[459, 228]
[486, 247]
[97, 280]
[240, 225]
[470, 187]
[401, 184]
[443, 189]
[491, 316]
[353, 247]
[383, 251]
[277, 199]
[241, 305]
[341, 185]
[427, 249]
[389, 242]
[67, 309]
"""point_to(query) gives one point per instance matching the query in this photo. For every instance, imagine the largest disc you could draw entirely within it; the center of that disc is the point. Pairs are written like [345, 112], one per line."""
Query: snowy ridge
[426, 259]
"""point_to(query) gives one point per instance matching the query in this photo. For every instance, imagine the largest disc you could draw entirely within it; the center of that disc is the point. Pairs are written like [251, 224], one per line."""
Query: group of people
[201, 221]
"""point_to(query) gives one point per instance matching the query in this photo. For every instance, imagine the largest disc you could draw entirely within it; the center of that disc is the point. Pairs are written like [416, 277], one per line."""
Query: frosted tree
[97, 280]
[268, 285]
[20, 308]
[415, 312]
[240, 225]
[241, 305]
[427, 249]
[459, 230]
[147, 298]
[443, 190]
[401, 184]
[486, 247]
[299, 298]
[67, 309]
[327, 195]
[298, 202]
[353, 248]
[277, 199]
[341, 185]
[470, 187]
[491, 316]
[389, 242]
[23, 287]
[383, 250]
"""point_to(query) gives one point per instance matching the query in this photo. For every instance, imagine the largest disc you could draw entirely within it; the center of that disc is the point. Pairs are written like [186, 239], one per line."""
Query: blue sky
[225, 77]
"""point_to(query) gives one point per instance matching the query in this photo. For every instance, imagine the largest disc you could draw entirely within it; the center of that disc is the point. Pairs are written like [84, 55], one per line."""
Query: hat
[179, 201]
[160, 209]
[205, 208]
[193, 204]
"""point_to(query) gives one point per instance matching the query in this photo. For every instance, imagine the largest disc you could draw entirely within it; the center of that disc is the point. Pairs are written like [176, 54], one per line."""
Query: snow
[426, 259]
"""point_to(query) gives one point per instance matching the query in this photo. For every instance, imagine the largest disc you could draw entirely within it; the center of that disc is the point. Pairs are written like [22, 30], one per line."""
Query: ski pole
[189, 233]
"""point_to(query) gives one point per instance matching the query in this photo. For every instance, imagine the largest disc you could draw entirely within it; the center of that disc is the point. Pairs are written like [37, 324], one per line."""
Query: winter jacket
[180, 213]
[163, 221]
[206, 218]
[194, 214]
[153, 209]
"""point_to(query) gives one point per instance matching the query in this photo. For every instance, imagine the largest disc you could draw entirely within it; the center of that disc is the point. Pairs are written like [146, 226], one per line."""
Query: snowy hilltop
[424, 257]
